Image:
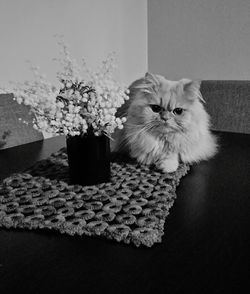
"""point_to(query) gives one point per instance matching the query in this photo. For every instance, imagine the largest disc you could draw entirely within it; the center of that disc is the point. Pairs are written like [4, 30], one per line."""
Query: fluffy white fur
[157, 131]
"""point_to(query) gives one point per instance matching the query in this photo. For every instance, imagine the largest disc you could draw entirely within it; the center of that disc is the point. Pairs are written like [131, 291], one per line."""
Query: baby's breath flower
[76, 106]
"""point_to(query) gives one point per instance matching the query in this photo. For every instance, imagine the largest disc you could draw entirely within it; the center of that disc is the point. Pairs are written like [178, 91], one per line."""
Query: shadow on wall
[3, 139]
[13, 132]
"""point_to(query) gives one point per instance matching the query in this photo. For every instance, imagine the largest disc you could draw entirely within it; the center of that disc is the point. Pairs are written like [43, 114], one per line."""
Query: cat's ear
[149, 77]
[192, 89]
[142, 85]
[147, 84]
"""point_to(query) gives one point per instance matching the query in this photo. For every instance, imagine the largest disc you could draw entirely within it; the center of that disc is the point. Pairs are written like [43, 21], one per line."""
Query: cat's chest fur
[148, 149]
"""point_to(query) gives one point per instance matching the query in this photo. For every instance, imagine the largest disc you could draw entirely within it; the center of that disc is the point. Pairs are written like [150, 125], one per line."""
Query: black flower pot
[89, 159]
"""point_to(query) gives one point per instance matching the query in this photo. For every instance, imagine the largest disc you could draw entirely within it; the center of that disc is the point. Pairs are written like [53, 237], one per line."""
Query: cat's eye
[156, 108]
[178, 111]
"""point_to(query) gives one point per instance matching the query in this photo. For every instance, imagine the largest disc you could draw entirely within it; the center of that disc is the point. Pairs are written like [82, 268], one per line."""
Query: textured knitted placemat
[131, 208]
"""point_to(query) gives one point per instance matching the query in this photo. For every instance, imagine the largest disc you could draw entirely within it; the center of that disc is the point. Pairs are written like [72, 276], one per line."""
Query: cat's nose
[165, 116]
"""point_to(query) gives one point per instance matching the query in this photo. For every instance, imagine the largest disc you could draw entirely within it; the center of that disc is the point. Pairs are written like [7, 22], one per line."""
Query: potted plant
[82, 109]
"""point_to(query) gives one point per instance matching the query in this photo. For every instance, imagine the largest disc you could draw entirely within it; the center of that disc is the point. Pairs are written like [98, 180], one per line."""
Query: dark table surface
[205, 248]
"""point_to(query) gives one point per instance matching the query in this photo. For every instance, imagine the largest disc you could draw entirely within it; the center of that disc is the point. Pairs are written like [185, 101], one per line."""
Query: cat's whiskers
[138, 130]
[132, 135]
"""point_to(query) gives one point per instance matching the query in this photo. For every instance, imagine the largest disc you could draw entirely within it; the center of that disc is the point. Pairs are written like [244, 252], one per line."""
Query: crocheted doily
[131, 208]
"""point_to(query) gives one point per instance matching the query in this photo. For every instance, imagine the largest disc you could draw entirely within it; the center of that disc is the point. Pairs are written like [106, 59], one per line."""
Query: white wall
[205, 39]
[93, 28]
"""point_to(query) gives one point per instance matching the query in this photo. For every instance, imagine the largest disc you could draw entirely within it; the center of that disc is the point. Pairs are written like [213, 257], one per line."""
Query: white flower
[76, 106]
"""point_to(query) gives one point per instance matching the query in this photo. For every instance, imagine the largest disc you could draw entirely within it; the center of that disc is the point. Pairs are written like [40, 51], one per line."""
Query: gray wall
[93, 28]
[204, 39]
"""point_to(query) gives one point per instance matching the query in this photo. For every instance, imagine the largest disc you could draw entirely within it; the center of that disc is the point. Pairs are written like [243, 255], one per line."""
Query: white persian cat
[166, 123]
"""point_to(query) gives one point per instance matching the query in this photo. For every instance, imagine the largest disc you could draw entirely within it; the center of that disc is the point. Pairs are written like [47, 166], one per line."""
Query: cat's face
[161, 106]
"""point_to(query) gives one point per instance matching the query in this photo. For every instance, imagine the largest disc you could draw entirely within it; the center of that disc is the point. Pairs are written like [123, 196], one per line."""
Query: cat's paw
[168, 165]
